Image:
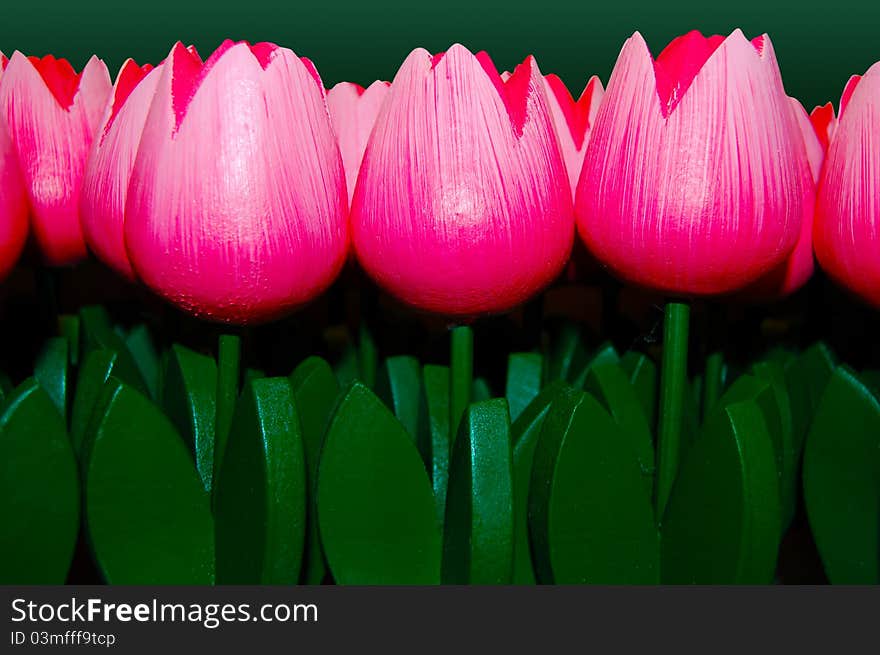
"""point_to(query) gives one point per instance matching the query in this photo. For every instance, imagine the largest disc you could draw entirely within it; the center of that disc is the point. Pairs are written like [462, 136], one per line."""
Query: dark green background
[819, 43]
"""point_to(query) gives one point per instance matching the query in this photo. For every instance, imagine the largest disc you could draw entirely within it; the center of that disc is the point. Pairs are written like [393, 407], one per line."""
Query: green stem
[713, 380]
[673, 385]
[228, 377]
[461, 374]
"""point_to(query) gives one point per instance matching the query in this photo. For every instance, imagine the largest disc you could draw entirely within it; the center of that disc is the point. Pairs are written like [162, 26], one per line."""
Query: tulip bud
[353, 112]
[52, 114]
[236, 209]
[695, 176]
[462, 205]
[847, 230]
[108, 171]
[574, 121]
[13, 199]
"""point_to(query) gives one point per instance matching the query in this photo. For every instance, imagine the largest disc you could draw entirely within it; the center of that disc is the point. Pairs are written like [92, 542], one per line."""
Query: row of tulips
[236, 187]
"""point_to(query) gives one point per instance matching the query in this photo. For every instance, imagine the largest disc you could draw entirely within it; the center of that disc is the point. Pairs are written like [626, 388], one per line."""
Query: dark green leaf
[436, 388]
[51, 371]
[609, 385]
[97, 333]
[478, 532]
[568, 357]
[722, 520]
[590, 518]
[39, 490]
[399, 385]
[368, 357]
[140, 345]
[642, 373]
[605, 354]
[228, 380]
[525, 371]
[375, 507]
[189, 398]
[524, 434]
[842, 480]
[148, 515]
[315, 393]
[260, 503]
[806, 377]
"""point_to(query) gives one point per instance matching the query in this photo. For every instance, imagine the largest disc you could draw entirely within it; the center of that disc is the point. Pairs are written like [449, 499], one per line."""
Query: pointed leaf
[642, 373]
[722, 520]
[525, 371]
[260, 505]
[189, 398]
[140, 344]
[399, 385]
[436, 389]
[375, 506]
[97, 333]
[478, 535]
[51, 371]
[148, 515]
[315, 393]
[39, 490]
[590, 518]
[842, 480]
[524, 433]
[609, 385]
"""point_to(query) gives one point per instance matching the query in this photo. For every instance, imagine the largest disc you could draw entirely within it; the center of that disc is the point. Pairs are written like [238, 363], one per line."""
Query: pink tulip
[574, 121]
[695, 176]
[236, 209]
[102, 204]
[353, 112]
[13, 199]
[462, 206]
[847, 230]
[52, 114]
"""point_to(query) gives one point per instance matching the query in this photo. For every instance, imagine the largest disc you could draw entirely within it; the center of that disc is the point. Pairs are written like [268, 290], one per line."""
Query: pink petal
[13, 204]
[462, 205]
[236, 210]
[52, 142]
[824, 123]
[353, 112]
[108, 171]
[704, 199]
[573, 120]
[847, 230]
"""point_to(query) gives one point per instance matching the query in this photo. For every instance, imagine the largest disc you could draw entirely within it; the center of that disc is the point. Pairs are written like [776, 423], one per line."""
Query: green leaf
[609, 385]
[642, 373]
[315, 393]
[68, 327]
[39, 490]
[346, 369]
[189, 398]
[51, 371]
[97, 333]
[228, 381]
[524, 433]
[399, 384]
[97, 367]
[722, 521]
[568, 356]
[367, 357]
[375, 506]
[842, 480]
[806, 377]
[148, 515]
[260, 503]
[591, 520]
[478, 534]
[436, 389]
[140, 345]
[525, 371]
[605, 354]
[773, 373]
[480, 390]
